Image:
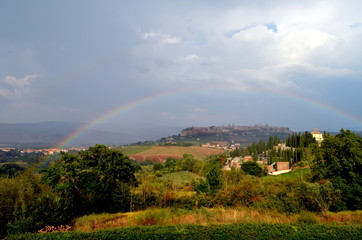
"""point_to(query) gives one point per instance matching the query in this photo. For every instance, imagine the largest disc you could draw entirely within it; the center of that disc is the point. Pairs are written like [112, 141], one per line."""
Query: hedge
[225, 231]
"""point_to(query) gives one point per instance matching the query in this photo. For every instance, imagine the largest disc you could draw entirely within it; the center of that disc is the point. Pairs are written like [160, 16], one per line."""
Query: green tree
[10, 170]
[95, 180]
[318, 196]
[188, 163]
[170, 163]
[19, 198]
[157, 167]
[213, 178]
[252, 168]
[233, 177]
[340, 161]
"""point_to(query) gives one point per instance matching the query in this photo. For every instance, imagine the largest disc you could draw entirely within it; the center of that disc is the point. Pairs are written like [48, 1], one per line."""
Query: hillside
[244, 135]
[161, 153]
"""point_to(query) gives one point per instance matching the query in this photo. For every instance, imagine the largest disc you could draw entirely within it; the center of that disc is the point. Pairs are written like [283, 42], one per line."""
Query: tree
[252, 168]
[95, 180]
[170, 163]
[188, 163]
[157, 167]
[213, 178]
[341, 162]
[318, 196]
[10, 170]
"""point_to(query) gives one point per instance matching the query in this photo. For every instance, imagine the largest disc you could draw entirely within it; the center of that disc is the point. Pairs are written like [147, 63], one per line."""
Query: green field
[301, 173]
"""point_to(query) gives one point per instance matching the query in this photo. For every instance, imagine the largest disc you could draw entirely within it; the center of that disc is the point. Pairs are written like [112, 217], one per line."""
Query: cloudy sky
[182, 63]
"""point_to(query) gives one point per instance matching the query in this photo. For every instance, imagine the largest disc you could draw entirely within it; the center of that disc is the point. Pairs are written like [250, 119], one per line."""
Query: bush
[307, 218]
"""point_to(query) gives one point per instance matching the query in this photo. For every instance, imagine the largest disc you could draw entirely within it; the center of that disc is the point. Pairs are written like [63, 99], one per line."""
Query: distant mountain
[49, 134]
[243, 135]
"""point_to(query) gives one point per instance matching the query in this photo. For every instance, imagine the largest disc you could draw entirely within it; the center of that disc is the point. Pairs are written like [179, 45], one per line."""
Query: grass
[348, 217]
[298, 173]
[207, 216]
[179, 179]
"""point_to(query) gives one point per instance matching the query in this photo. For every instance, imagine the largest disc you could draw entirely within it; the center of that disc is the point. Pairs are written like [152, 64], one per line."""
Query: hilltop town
[226, 135]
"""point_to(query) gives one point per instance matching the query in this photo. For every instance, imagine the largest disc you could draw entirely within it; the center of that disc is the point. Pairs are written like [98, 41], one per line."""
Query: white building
[317, 135]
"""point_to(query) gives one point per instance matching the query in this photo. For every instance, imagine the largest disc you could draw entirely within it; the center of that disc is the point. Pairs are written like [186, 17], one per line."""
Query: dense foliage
[253, 168]
[340, 162]
[10, 170]
[96, 180]
[16, 155]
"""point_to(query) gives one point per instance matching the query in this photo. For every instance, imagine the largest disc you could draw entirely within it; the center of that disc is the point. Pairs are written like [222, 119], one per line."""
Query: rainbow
[152, 97]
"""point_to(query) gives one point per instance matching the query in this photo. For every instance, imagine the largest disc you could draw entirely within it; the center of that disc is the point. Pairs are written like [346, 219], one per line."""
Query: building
[247, 158]
[318, 136]
[282, 166]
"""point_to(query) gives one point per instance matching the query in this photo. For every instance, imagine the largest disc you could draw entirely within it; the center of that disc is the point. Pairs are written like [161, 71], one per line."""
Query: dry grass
[345, 217]
[197, 152]
[205, 216]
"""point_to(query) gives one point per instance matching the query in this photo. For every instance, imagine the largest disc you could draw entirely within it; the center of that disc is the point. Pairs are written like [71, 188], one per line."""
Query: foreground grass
[206, 216]
[205, 223]
[226, 231]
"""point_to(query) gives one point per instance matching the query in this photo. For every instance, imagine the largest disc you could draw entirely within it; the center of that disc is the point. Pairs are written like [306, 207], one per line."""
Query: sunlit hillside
[161, 153]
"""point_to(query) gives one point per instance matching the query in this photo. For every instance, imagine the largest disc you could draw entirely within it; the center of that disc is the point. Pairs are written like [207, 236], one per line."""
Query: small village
[274, 168]
[45, 151]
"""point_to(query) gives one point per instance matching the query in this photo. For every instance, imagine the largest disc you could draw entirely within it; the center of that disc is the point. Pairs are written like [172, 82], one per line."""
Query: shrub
[307, 218]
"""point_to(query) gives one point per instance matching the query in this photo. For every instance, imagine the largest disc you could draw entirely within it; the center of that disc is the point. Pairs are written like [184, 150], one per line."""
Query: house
[318, 136]
[282, 147]
[232, 163]
[281, 166]
[247, 158]
[271, 169]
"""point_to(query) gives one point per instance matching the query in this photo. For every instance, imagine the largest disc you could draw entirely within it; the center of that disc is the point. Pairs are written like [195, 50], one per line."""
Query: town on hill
[230, 134]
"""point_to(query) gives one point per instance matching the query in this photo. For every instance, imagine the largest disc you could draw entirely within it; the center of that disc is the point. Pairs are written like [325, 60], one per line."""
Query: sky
[146, 65]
